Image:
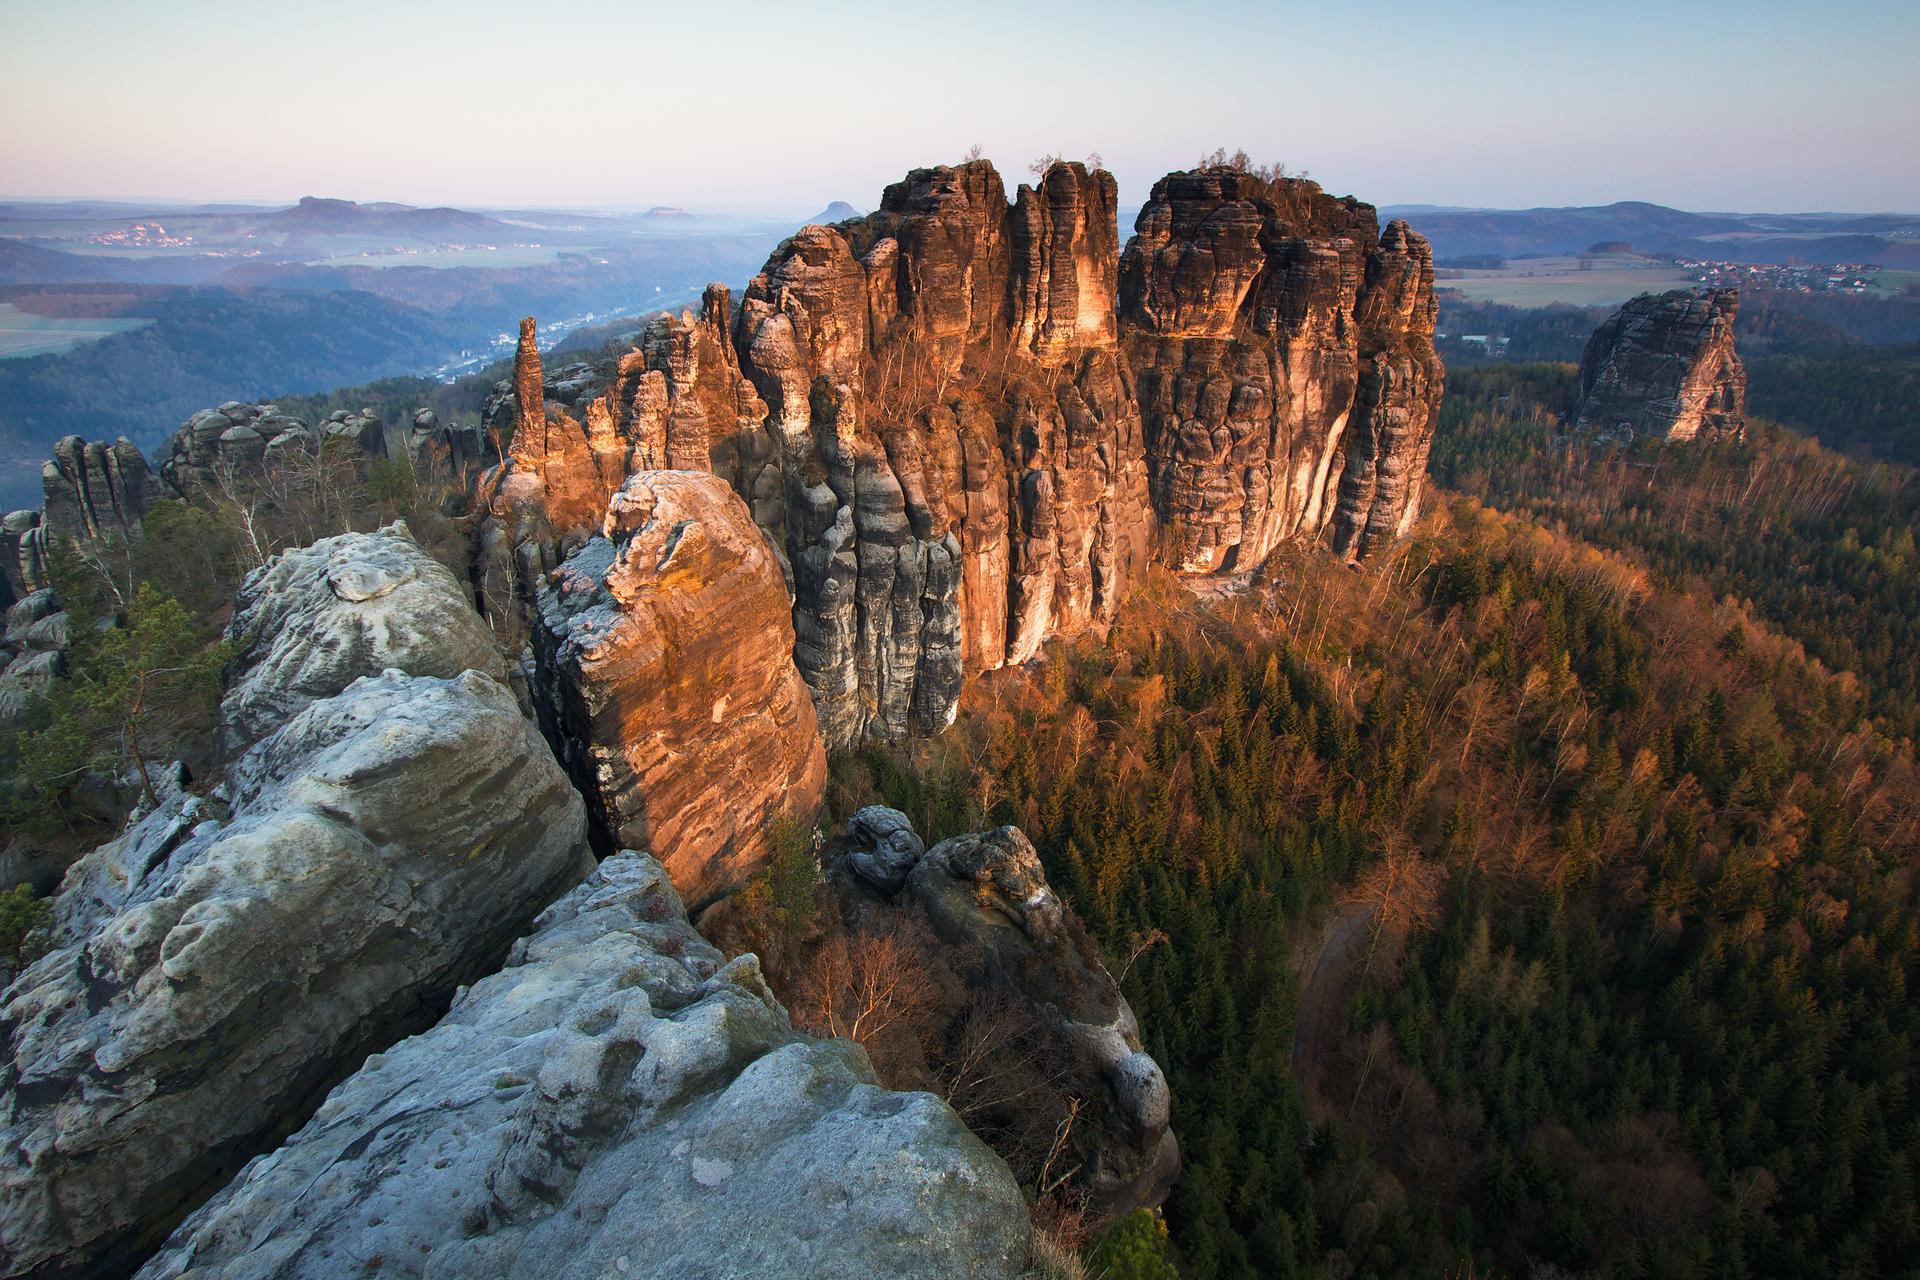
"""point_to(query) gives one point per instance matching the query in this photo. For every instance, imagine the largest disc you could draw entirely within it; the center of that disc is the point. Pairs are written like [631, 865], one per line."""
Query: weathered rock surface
[23, 569]
[1283, 351]
[667, 682]
[314, 619]
[1005, 931]
[229, 447]
[95, 490]
[615, 1102]
[226, 960]
[1665, 364]
[31, 654]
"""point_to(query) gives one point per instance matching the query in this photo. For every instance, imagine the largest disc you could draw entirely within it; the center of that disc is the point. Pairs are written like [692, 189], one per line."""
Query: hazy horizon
[1706, 106]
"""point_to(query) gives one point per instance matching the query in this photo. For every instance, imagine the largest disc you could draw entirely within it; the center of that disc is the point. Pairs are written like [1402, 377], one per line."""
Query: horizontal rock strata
[667, 683]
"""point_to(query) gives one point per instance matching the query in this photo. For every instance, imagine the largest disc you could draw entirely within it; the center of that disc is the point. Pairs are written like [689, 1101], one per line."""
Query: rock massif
[380, 839]
[1665, 364]
[666, 682]
[1283, 347]
[1002, 931]
[965, 422]
[615, 1102]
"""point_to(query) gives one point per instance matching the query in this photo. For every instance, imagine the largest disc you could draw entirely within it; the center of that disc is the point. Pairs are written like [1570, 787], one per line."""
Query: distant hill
[347, 217]
[205, 346]
[838, 211]
[23, 263]
[1887, 239]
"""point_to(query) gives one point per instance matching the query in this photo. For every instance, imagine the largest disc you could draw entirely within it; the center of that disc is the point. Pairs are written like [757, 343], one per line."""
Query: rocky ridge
[380, 839]
[1000, 931]
[964, 422]
[1665, 365]
[615, 1101]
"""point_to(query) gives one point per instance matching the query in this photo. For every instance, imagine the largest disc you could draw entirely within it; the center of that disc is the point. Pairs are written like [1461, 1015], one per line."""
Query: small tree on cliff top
[1239, 159]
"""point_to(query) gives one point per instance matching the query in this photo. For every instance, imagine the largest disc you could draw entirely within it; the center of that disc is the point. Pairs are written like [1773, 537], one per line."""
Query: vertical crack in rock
[1664, 364]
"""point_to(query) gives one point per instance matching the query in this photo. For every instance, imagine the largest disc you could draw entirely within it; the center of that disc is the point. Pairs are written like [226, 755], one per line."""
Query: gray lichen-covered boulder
[1005, 932]
[615, 1102]
[229, 957]
[315, 619]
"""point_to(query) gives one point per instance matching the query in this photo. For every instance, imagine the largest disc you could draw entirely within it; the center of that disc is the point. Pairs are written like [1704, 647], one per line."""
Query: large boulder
[615, 1102]
[226, 960]
[1665, 365]
[1004, 932]
[667, 681]
[315, 619]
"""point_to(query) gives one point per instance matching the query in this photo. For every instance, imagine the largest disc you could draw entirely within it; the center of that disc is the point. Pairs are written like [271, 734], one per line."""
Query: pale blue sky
[1704, 104]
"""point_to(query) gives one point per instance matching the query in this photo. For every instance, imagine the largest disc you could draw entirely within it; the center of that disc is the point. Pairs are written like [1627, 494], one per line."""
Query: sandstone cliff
[963, 422]
[1283, 348]
[616, 1101]
[1665, 364]
[667, 685]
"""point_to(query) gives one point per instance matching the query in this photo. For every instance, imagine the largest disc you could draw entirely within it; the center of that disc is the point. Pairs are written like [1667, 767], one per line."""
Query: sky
[1701, 104]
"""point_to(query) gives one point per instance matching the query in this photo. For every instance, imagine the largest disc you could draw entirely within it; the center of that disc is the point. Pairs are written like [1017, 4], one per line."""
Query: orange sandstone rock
[667, 681]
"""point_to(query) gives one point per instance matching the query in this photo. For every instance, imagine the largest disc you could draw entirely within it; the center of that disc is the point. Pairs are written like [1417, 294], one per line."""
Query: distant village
[1842, 277]
[141, 235]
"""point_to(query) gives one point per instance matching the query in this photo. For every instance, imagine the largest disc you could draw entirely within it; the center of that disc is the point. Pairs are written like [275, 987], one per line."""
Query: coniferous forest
[1538, 901]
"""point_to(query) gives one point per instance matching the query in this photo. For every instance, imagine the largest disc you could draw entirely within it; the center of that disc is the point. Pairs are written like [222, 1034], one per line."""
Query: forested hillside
[1822, 546]
[204, 347]
[1604, 877]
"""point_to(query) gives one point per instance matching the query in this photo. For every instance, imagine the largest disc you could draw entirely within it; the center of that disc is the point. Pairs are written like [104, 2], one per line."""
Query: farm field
[1536, 282]
[24, 334]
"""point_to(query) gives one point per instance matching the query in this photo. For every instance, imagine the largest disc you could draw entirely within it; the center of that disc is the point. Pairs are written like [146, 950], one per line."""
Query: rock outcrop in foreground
[1665, 364]
[666, 681]
[381, 840]
[1002, 931]
[964, 423]
[615, 1102]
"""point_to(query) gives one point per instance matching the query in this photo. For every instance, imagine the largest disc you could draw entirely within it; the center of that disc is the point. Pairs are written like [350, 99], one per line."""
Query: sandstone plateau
[1665, 364]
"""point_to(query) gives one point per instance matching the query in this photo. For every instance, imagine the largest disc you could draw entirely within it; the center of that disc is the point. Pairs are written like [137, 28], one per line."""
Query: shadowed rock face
[615, 1102]
[96, 490]
[1665, 364]
[1003, 931]
[960, 421]
[380, 840]
[667, 682]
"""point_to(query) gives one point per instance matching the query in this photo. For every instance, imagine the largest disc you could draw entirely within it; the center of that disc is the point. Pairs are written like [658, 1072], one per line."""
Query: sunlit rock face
[965, 423]
[1665, 364]
[666, 681]
[1282, 350]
